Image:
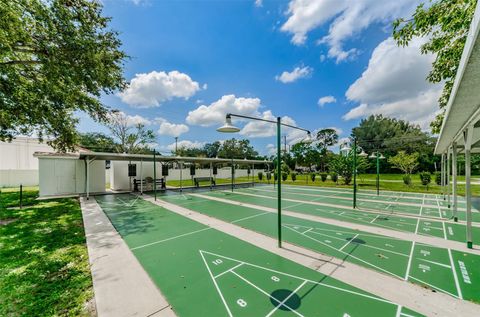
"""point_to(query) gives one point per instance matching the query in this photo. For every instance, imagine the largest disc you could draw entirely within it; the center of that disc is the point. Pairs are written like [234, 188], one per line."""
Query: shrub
[347, 179]
[293, 175]
[334, 177]
[260, 175]
[312, 177]
[269, 176]
[284, 176]
[407, 180]
[426, 178]
[323, 177]
[275, 176]
[438, 178]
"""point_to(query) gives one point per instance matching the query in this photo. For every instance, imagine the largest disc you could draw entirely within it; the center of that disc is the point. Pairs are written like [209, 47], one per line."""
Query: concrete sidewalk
[121, 286]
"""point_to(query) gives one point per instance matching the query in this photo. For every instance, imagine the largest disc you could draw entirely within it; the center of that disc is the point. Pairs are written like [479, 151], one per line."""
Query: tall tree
[445, 23]
[234, 148]
[325, 138]
[97, 142]
[56, 57]
[130, 138]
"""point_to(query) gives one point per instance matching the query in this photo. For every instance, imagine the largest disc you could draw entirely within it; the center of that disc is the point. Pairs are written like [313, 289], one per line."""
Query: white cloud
[327, 99]
[394, 85]
[347, 19]
[186, 144]
[171, 129]
[271, 149]
[131, 120]
[150, 90]
[215, 112]
[295, 74]
[260, 129]
[259, 3]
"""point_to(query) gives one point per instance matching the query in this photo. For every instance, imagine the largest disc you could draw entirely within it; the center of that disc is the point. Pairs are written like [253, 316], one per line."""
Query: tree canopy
[56, 57]
[231, 148]
[445, 23]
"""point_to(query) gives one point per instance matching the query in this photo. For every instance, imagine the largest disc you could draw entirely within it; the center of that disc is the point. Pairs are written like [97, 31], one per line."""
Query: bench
[147, 184]
[197, 180]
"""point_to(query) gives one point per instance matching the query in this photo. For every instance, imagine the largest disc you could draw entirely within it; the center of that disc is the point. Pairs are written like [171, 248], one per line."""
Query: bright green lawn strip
[44, 268]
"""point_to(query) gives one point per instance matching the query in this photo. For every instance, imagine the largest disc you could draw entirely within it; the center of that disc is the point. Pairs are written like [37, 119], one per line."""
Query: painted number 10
[217, 261]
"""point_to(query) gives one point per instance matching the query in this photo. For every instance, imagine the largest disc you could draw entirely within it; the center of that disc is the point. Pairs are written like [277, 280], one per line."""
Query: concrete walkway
[121, 286]
[404, 293]
[434, 241]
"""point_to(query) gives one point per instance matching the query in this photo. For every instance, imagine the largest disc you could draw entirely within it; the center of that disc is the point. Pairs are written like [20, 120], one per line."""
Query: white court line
[436, 263]
[455, 277]
[216, 285]
[286, 299]
[410, 257]
[364, 245]
[434, 287]
[229, 270]
[348, 242]
[374, 218]
[416, 228]
[399, 310]
[444, 231]
[253, 216]
[308, 230]
[350, 255]
[261, 290]
[305, 279]
[171, 238]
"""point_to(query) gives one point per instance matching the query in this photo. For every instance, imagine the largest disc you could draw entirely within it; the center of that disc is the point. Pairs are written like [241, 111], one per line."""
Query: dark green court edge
[204, 272]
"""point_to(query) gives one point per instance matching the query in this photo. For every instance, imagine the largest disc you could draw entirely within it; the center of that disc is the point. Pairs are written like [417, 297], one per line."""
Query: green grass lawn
[44, 268]
[365, 181]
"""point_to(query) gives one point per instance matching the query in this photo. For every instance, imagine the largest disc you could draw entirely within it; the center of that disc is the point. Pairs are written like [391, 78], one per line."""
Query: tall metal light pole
[362, 154]
[176, 143]
[229, 128]
[376, 155]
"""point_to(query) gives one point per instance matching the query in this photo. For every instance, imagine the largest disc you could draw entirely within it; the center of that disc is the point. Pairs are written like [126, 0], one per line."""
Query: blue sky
[192, 61]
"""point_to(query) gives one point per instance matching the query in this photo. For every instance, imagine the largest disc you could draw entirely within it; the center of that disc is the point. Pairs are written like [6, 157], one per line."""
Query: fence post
[21, 195]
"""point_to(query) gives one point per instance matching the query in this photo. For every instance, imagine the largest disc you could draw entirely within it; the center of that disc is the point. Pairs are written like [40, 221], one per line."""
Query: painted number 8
[217, 262]
[275, 279]
[241, 303]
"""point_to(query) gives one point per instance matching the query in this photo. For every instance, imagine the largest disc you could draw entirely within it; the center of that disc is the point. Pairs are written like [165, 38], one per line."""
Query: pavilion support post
[448, 177]
[253, 174]
[211, 178]
[87, 161]
[454, 182]
[141, 177]
[442, 175]
[467, 134]
[154, 175]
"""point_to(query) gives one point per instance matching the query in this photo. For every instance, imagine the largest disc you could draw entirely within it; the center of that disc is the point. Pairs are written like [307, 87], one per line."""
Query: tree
[56, 57]
[445, 23]
[212, 149]
[234, 148]
[130, 138]
[407, 163]
[343, 165]
[389, 136]
[325, 138]
[97, 142]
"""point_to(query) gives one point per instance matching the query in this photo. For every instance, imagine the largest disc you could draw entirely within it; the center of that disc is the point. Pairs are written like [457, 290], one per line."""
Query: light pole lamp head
[381, 157]
[228, 127]
[373, 155]
[309, 138]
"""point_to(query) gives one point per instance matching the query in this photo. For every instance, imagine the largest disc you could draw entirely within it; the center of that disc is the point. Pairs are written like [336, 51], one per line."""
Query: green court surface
[448, 271]
[204, 272]
[292, 192]
[442, 229]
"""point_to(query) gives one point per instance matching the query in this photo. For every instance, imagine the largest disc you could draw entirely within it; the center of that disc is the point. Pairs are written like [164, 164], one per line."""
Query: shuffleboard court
[441, 229]
[438, 213]
[437, 268]
[204, 272]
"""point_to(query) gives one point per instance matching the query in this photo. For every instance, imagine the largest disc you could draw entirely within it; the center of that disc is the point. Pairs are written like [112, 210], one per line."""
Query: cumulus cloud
[171, 129]
[394, 85]
[259, 3]
[294, 75]
[327, 99]
[260, 129]
[215, 112]
[187, 144]
[150, 90]
[347, 19]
